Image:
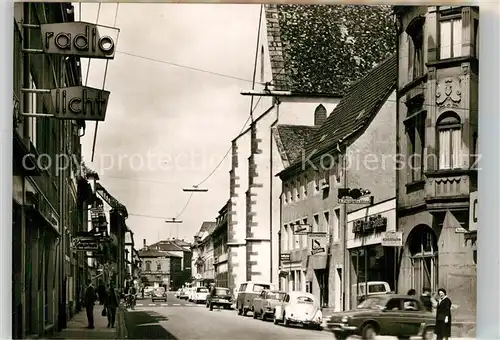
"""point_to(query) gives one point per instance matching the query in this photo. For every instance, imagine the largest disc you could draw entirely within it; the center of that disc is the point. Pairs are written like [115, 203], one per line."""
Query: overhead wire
[255, 62]
[105, 76]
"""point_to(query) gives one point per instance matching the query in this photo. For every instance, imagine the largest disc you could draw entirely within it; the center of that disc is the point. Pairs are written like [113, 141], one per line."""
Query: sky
[168, 127]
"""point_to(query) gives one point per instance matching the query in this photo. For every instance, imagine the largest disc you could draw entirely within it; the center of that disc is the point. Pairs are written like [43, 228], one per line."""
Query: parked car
[265, 304]
[159, 294]
[247, 293]
[374, 288]
[219, 297]
[184, 294]
[385, 314]
[178, 293]
[148, 290]
[200, 295]
[299, 308]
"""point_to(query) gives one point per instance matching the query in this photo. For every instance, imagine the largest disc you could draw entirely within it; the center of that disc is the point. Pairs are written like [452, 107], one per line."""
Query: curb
[121, 329]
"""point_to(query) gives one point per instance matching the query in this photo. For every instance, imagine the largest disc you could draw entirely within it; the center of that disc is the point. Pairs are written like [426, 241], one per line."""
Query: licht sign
[80, 103]
[80, 39]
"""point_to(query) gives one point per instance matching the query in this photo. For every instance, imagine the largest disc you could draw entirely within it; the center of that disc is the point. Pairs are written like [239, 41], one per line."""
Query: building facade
[360, 129]
[292, 92]
[156, 268]
[438, 122]
[48, 206]
[181, 249]
[221, 249]
[203, 255]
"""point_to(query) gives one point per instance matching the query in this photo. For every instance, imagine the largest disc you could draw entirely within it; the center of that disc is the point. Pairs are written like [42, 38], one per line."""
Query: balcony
[450, 188]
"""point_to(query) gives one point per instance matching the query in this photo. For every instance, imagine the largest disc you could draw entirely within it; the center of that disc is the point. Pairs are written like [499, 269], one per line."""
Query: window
[33, 108]
[243, 287]
[326, 224]
[415, 134]
[315, 226]
[450, 141]
[148, 266]
[284, 240]
[415, 43]
[158, 266]
[423, 251]
[316, 181]
[259, 288]
[296, 238]
[303, 238]
[305, 299]
[290, 237]
[475, 155]
[304, 186]
[286, 193]
[450, 38]
[336, 225]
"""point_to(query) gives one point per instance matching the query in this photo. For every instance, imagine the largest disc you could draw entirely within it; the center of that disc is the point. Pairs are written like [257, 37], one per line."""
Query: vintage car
[386, 315]
[178, 293]
[265, 304]
[374, 288]
[183, 295]
[200, 294]
[299, 308]
[219, 297]
[159, 294]
[247, 293]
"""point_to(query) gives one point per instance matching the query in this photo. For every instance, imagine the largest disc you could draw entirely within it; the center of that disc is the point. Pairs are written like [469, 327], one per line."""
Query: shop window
[450, 36]
[450, 141]
[423, 249]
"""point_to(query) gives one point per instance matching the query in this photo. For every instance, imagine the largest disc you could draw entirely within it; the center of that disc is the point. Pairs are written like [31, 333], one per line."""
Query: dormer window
[415, 31]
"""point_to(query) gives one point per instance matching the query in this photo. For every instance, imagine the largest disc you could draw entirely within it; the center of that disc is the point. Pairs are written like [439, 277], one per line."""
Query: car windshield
[201, 290]
[259, 287]
[221, 291]
[376, 288]
[305, 299]
[372, 303]
[275, 296]
[160, 290]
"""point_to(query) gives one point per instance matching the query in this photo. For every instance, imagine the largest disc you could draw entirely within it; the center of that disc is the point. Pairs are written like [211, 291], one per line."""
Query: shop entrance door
[322, 277]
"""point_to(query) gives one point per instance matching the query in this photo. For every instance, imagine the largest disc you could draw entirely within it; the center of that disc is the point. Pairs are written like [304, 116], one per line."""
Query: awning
[317, 262]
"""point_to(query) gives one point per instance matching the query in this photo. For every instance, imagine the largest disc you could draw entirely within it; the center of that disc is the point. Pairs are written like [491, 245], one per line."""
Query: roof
[291, 139]
[207, 228]
[167, 246]
[156, 253]
[355, 111]
[321, 49]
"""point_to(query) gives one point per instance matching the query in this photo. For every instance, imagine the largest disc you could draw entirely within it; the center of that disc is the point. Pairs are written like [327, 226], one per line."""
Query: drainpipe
[271, 178]
[396, 250]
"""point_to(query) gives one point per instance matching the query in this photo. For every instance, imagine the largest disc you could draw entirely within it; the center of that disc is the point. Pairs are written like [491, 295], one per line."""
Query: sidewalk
[76, 327]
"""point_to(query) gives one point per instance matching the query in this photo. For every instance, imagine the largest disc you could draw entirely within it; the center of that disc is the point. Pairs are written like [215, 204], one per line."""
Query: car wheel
[286, 323]
[275, 320]
[428, 333]
[240, 310]
[262, 315]
[369, 332]
[211, 307]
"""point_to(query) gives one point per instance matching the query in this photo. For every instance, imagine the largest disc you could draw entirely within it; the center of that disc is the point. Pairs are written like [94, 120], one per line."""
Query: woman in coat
[443, 316]
[112, 303]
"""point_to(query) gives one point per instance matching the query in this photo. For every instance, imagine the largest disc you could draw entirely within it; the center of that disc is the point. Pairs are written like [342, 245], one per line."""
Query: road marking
[164, 304]
[139, 304]
[176, 304]
[152, 304]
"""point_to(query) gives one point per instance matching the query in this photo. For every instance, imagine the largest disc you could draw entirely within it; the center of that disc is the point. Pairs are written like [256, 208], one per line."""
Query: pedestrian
[101, 292]
[112, 302]
[443, 316]
[427, 300]
[90, 298]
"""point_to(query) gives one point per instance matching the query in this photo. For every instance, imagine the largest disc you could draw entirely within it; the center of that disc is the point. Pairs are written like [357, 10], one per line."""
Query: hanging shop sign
[373, 224]
[80, 103]
[85, 244]
[318, 243]
[80, 39]
[392, 239]
[302, 229]
[350, 200]
[285, 257]
[473, 211]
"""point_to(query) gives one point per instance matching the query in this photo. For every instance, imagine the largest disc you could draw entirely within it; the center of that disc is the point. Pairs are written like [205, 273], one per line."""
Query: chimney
[319, 115]
[144, 243]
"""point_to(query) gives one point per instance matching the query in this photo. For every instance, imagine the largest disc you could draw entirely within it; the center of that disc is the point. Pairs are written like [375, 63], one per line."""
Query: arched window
[423, 250]
[450, 141]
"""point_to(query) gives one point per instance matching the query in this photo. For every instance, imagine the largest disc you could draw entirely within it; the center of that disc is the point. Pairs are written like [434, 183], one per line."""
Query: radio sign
[81, 39]
[80, 103]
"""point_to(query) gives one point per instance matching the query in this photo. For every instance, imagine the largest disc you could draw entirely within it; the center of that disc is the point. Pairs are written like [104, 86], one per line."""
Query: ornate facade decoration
[448, 92]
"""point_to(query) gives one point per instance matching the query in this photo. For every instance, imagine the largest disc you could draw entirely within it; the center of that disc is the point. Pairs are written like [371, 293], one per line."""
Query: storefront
[369, 259]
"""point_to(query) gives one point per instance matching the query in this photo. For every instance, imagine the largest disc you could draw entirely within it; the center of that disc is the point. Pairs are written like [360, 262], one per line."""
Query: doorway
[322, 277]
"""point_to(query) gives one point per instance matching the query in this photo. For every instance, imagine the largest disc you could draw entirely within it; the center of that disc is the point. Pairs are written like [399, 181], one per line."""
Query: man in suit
[90, 298]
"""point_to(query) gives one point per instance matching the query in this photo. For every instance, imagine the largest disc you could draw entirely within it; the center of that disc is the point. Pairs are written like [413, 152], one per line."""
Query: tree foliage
[328, 47]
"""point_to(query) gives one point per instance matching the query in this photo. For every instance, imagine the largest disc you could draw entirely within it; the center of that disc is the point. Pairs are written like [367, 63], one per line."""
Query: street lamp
[174, 220]
[194, 189]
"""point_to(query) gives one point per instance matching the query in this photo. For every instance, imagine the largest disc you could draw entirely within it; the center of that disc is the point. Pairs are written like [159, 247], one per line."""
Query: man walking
[112, 302]
[90, 297]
